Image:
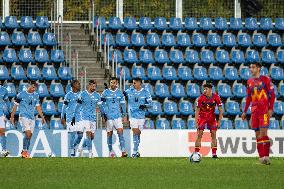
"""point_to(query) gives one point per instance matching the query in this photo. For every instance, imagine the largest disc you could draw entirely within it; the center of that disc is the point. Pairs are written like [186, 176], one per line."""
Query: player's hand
[73, 121]
[196, 125]
[218, 124]
[12, 120]
[63, 122]
[243, 116]
[270, 113]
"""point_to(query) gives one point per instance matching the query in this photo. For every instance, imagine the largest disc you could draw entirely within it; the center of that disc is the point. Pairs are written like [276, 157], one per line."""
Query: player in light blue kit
[139, 99]
[114, 109]
[3, 106]
[68, 114]
[88, 101]
[27, 101]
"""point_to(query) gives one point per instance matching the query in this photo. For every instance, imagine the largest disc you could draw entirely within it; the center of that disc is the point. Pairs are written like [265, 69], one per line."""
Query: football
[195, 157]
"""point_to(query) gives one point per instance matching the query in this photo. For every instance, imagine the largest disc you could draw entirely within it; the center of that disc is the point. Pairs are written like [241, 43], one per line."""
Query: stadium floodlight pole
[69, 45]
[54, 14]
[61, 30]
[51, 18]
[105, 49]
[93, 15]
[74, 64]
[107, 53]
[97, 31]
[100, 50]
[58, 32]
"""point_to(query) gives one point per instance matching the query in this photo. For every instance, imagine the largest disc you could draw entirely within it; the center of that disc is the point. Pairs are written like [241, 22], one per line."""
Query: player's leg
[4, 152]
[137, 126]
[28, 126]
[119, 127]
[259, 140]
[71, 137]
[200, 129]
[213, 143]
[90, 132]
[109, 129]
[264, 124]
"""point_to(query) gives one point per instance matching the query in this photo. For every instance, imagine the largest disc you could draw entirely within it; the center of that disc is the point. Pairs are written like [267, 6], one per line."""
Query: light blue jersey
[69, 106]
[3, 99]
[27, 103]
[135, 100]
[88, 102]
[113, 104]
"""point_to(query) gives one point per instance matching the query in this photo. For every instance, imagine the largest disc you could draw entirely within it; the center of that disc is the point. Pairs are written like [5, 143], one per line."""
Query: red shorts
[259, 121]
[209, 124]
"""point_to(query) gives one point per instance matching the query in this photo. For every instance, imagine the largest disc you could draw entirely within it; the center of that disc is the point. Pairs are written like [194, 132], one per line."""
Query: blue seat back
[160, 23]
[41, 56]
[229, 40]
[221, 23]
[115, 23]
[193, 90]
[137, 39]
[191, 56]
[130, 56]
[162, 90]
[130, 23]
[178, 124]
[162, 124]
[222, 56]
[186, 108]
[190, 23]
[145, 23]
[33, 73]
[34, 39]
[27, 22]
[183, 40]
[185, 73]
[175, 23]
[25, 55]
[56, 90]
[42, 22]
[146, 56]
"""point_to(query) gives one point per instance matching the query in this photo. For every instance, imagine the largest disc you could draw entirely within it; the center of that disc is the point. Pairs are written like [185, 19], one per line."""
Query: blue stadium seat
[146, 56]
[10, 55]
[279, 23]
[221, 23]
[264, 71]
[138, 71]
[236, 24]
[191, 123]
[267, 56]
[156, 108]
[239, 90]
[244, 39]
[200, 73]
[280, 55]
[215, 73]
[23, 86]
[192, 90]
[251, 24]
[154, 73]
[169, 73]
[4, 73]
[161, 56]
[149, 88]
[107, 39]
[65, 73]
[115, 23]
[55, 124]
[226, 124]
[184, 73]
[178, 123]
[137, 39]
[130, 56]
[190, 23]
[116, 55]
[33, 72]
[231, 73]
[162, 90]
[282, 122]
[240, 124]
[124, 72]
[42, 90]
[39, 125]
[266, 24]
[224, 90]
[49, 39]
[170, 107]
[34, 38]
[162, 123]
[25, 56]
[229, 39]
[41, 56]
[5, 39]
[11, 22]
[177, 90]
[153, 40]
[175, 24]
[183, 40]
[214, 40]
[206, 24]
[176, 56]
[42, 22]
[60, 105]
[273, 123]
[191, 56]
[27, 22]
[279, 107]
[100, 22]
[198, 40]
[160, 23]
[68, 88]
[207, 56]
[57, 56]
[238, 56]
[222, 56]
[48, 107]
[145, 23]
[276, 73]
[18, 39]
[11, 89]
[168, 40]
[243, 106]
[18, 73]
[274, 40]
[130, 23]
[281, 88]
[259, 40]
[49, 73]
[149, 124]
[56, 90]
[185, 107]
[232, 107]
[252, 55]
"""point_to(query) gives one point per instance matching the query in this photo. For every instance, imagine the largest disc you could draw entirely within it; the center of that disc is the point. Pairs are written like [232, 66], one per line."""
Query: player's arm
[102, 104]
[271, 97]
[63, 113]
[248, 101]
[14, 109]
[219, 104]
[196, 116]
[39, 110]
[148, 102]
[123, 107]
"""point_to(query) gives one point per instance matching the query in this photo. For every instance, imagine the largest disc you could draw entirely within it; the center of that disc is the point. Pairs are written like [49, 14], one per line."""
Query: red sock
[260, 147]
[214, 149]
[266, 145]
[197, 149]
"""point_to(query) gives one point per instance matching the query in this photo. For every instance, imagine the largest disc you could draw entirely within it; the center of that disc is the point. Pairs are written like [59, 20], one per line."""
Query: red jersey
[260, 93]
[207, 106]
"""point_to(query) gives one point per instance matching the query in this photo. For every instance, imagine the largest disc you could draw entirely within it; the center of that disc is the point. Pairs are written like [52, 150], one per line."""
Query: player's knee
[80, 135]
[109, 133]
[119, 131]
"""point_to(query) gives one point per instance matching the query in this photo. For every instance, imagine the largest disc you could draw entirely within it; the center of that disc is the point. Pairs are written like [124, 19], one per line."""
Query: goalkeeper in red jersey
[261, 97]
[205, 117]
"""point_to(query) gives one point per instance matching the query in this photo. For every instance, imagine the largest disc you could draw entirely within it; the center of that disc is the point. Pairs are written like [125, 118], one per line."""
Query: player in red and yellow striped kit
[260, 94]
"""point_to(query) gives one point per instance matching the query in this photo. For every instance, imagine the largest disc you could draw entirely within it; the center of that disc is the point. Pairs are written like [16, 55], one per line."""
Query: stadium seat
[274, 40]
[236, 23]
[154, 73]
[49, 39]
[34, 38]
[280, 55]
[184, 73]
[229, 39]
[25, 56]
[153, 40]
[185, 107]
[231, 73]
[239, 90]
[23, 86]
[177, 90]
[1, 24]
[162, 123]
[4, 39]
[215, 73]
[146, 56]
[49, 73]
[200, 73]
[115, 23]
[122, 39]
[130, 56]
[27, 22]
[130, 23]
[33, 72]
[162, 90]
[282, 122]
[100, 22]
[18, 73]
[259, 40]
[160, 23]
[161, 56]
[183, 40]
[221, 23]
[244, 39]
[190, 23]
[252, 55]
[266, 24]
[149, 88]
[10, 55]
[145, 23]
[11, 22]
[123, 72]
[149, 124]
[198, 40]
[232, 107]
[55, 124]
[281, 88]
[65, 73]
[191, 123]
[214, 40]
[178, 123]
[191, 56]
[4, 73]
[116, 55]
[276, 73]
[206, 24]
[57, 56]
[279, 107]
[222, 56]
[176, 56]
[39, 125]
[107, 39]
[207, 56]
[156, 108]
[224, 90]
[279, 23]
[264, 71]
[138, 71]
[226, 124]
[273, 123]
[68, 88]
[56, 89]
[42, 22]
[42, 90]
[137, 39]
[251, 24]
[192, 90]
[267, 56]
[240, 124]
[168, 40]
[245, 73]
[175, 24]
[48, 107]
[41, 56]
[170, 107]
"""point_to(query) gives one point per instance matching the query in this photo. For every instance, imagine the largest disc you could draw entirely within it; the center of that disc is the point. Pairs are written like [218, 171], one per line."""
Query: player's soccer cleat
[5, 153]
[25, 154]
[73, 153]
[214, 156]
[136, 155]
[267, 160]
[124, 154]
[91, 155]
[80, 152]
[262, 160]
[112, 154]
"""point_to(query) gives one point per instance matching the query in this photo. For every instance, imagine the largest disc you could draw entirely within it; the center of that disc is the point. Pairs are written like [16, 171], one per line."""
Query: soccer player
[205, 117]
[27, 101]
[88, 100]
[139, 99]
[3, 105]
[68, 114]
[260, 94]
[114, 113]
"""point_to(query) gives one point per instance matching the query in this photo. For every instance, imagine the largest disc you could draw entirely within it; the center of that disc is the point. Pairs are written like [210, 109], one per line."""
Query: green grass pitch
[139, 173]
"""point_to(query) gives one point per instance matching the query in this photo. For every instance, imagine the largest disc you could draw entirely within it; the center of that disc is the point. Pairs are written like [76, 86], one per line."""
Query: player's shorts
[259, 121]
[137, 123]
[71, 128]
[27, 124]
[86, 125]
[114, 124]
[209, 124]
[2, 122]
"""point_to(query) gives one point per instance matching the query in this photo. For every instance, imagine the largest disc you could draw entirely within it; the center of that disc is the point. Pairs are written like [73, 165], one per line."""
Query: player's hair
[257, 64]
[73, 82]
[33, 83]
[208, 85]
[113, 78]
[137, 79]
[92, 82]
